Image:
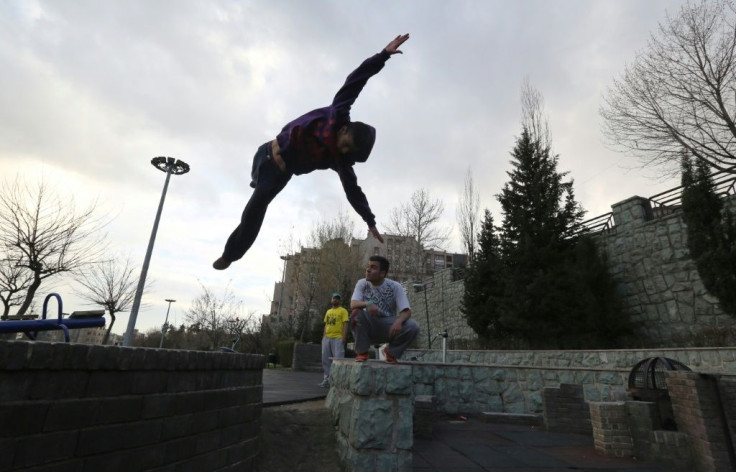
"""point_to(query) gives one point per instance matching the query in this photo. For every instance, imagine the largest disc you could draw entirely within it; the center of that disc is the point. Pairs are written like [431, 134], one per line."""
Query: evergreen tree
[711, 233]
[484, 282]
[540, 216]
[535, 284]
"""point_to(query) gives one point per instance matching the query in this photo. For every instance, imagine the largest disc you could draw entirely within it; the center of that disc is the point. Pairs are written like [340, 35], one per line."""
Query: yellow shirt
[334, 318]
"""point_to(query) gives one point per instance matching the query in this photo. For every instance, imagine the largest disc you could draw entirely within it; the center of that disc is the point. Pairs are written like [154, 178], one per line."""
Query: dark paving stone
[546, 439]
[530, 457]
[283, 386]
[473, 446]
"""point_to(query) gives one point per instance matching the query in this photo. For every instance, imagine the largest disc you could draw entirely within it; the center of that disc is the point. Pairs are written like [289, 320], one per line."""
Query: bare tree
[209, 313]
[14, 282]
[680, 94]
[43, 233]
[468, 209]
[533, 117]
[420, 219]
[111, 284]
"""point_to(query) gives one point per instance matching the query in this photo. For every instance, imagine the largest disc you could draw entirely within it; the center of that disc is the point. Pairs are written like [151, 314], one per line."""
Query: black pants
[268, 181]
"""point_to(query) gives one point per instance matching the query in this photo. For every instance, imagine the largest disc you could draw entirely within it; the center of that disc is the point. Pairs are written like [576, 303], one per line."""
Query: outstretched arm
[357, 79]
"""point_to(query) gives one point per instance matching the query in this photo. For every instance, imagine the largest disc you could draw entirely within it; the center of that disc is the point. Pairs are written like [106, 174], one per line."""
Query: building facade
[305, 289]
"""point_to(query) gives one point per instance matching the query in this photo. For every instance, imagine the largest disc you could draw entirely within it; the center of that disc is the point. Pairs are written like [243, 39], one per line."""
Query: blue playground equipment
[78, 319]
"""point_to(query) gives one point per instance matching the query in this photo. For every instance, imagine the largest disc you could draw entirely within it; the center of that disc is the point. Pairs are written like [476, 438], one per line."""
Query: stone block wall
[88, 408]
[697, 405]
[444, 295]
[513, 381]
[371, 404]
[648, 255]
[471, 389]
[565, 409]
[722, 359]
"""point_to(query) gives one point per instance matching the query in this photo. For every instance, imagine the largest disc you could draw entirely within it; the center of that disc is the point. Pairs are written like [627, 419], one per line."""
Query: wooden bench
[77, 320]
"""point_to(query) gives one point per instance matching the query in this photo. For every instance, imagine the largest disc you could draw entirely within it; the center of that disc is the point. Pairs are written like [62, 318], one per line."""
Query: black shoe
[221, 264]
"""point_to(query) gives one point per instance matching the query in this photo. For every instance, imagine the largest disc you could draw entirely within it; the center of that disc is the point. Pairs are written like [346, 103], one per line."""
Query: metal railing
[724, 184]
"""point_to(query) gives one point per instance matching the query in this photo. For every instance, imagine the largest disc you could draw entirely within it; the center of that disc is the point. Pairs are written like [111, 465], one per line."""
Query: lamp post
[283, 281]
[423, 287]
[170, 166]
[165, 326]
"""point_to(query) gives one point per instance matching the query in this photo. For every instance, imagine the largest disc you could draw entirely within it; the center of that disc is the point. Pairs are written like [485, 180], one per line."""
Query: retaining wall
[648, 256]
[85, 408]
[716, 359]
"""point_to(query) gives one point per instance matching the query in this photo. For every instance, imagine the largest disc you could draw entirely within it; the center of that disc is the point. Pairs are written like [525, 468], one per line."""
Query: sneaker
[389, 358]
[221, 264]
[325, 383]
[361, 357]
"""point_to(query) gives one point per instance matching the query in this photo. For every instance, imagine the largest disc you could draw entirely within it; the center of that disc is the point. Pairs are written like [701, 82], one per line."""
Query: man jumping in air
[324, 138]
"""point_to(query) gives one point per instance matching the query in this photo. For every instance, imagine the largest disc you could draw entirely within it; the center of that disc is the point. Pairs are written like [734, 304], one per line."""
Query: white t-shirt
[390, 296]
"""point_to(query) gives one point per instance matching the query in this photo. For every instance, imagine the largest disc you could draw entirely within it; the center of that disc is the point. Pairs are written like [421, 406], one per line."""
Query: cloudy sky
[90, 91]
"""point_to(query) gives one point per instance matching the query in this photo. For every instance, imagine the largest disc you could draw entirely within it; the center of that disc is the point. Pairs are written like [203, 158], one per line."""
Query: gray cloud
[91, 91]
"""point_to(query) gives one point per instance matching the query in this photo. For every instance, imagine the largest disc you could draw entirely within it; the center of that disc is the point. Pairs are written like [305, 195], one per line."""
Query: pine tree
[484, 282]
[535, 284]
[539, 216]
[711, 233]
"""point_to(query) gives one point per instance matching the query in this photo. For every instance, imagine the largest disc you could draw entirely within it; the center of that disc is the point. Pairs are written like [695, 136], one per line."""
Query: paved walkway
[283, 386]
[473, 445]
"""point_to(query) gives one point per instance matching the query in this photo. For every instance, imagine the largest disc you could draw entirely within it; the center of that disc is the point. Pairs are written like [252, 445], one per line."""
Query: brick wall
[89, 408]
[566, 410]
[698, 413]
[611, 433]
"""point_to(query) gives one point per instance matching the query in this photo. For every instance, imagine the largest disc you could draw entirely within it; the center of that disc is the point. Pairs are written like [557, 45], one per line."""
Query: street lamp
[170, 166]
[283, 281]
[165, 326]
[423, 287]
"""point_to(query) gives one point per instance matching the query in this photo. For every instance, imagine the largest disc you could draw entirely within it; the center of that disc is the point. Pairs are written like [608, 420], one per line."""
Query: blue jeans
[268, 181]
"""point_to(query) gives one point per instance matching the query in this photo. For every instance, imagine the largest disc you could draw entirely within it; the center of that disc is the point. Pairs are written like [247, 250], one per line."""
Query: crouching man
[381, 313]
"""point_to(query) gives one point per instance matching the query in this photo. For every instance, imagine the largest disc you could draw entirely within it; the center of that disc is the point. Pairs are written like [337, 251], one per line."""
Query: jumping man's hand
[375, 233]
[393, 46]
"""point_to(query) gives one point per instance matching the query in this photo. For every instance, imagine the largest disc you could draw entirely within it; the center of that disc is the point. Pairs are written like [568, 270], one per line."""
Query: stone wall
[721, 360]
[371, 404]
[81, 407]
[471, 389]
[444, 296]
[647, 250]
[513, 381]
